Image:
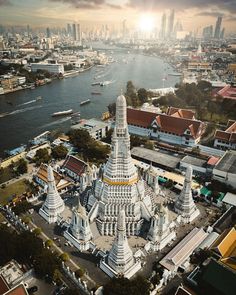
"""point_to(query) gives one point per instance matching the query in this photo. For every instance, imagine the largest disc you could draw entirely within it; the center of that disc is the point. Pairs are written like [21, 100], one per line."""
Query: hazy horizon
[43, 13]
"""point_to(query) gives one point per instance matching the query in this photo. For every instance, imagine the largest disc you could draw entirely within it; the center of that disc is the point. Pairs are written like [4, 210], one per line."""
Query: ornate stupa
[119, 186]
[53, 205]
[184, 204]
[120, 260]
[79, 232]
[160, 232]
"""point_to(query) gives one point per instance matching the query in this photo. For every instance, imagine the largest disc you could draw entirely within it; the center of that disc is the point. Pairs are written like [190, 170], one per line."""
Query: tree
[42, 156]
[8, 247]
[22, 167]
[79, 272]
[143, 95]
[123, 286]
[28, 247]
[64, 257]
[80, 138]
[49, 243]
[21, 207]
[46, 263]
[37, 231]
[112, 109]
[59, 152]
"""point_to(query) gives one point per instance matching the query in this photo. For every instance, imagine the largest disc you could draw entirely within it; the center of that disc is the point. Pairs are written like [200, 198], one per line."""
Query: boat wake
[28, 102]
[24, 110]
[18, 111]
[57, 122]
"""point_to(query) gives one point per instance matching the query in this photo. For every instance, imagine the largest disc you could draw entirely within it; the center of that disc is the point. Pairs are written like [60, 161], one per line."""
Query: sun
[146, 23]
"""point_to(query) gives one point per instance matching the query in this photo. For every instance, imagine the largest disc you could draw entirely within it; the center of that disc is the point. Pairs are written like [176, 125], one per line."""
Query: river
[28, 117]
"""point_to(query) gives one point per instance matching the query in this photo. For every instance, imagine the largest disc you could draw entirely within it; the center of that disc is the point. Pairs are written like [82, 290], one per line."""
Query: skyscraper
[124, 28]
[207, 32]
[48, 33]
[163, 27]
[171, 23]
[218, 27]
[69, 30]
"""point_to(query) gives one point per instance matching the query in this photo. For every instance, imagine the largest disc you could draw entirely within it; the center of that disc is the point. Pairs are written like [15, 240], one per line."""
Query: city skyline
[46, 13]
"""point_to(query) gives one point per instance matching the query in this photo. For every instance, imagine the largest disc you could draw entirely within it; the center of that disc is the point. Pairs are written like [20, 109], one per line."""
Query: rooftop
[194, 161]
[18, 290]
[182, 251]
[156, 157]
[91, 125]
[11, 272]
[230, 199]
[227, 162]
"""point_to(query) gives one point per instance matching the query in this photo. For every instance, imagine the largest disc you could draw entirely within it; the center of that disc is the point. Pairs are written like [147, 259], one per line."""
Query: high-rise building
[218, 27]
[119, 186]
[222, 33]
[207, 32]
[124, 30]
[171, 24]
[48, 33]
[163, 27]
[69, 29]
[76, 32]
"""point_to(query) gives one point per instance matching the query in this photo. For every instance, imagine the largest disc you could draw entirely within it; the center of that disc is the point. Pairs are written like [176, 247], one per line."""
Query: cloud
[210, 13]
[5, 2]
[226, 5]
[88, 4]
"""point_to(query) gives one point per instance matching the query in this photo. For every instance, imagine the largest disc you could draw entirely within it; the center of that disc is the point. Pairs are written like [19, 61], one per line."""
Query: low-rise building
[225, 169]
[41, 178]
[96, 128]
[228, 92]
[175, 128]
[226, 139]
[178, 257]
[199, 165]
[51, 68]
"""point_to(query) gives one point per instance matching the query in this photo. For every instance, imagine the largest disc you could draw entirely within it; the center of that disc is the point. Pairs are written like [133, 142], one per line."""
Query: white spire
[121, 113]
[121, 257]
[185, 205]
[53, 205]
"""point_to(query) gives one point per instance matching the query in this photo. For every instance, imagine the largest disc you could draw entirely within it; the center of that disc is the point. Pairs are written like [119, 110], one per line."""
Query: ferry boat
[63, 113]
[96, 93]
[175, 74]
[85, 102]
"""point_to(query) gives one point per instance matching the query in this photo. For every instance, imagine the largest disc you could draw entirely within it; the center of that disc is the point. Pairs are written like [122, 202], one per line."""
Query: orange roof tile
[140, 118]
[18, 290]
[181, 113]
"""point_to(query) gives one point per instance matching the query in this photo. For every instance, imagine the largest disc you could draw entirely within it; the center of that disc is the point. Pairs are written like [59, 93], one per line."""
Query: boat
[63, 113]
[105, 83]
[96, 93]
[85, 102]
[39, 97]
[175, 74]
[96, 83]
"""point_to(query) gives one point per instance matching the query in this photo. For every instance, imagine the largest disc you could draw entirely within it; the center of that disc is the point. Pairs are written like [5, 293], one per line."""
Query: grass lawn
[6, 174]
[17, 188]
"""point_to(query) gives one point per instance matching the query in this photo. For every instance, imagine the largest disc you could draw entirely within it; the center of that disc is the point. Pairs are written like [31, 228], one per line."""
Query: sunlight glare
[146, 23]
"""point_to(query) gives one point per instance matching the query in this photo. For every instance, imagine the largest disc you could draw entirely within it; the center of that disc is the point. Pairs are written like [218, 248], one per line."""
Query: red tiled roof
[3, 286]
[140, 118]
[18, 290]
[228, 92]
[180, 113]
[229, 135]
[212, 160]
[179, 125]
[75, 165]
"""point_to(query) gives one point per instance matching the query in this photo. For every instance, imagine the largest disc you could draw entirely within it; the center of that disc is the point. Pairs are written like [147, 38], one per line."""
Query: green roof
[204, 191]
[220, 197]
[162, 179]
[220, 277]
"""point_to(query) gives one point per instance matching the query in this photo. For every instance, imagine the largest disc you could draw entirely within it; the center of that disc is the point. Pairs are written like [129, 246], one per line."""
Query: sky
[194, 14]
